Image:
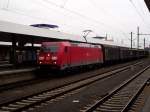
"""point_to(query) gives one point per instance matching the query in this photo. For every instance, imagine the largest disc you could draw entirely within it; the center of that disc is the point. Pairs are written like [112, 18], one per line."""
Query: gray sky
[117, 18]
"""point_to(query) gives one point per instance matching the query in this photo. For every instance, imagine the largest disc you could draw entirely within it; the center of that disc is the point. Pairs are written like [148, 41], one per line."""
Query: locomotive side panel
[84, 56]
[67, 54]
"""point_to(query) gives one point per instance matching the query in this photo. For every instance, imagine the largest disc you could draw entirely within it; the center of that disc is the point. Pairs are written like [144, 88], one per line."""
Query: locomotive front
[49, 55]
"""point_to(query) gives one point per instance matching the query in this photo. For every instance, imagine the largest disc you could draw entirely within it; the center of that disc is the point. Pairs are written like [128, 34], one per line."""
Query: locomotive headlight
[55, 62]
[54, 58]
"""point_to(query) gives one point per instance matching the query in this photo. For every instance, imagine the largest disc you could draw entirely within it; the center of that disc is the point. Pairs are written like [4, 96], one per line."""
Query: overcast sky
[117, 18]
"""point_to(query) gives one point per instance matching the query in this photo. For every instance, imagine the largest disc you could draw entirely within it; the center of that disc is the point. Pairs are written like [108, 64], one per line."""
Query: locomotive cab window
[52, 48]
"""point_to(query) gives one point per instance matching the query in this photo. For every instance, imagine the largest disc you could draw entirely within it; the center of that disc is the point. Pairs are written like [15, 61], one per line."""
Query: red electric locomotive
[62, 55]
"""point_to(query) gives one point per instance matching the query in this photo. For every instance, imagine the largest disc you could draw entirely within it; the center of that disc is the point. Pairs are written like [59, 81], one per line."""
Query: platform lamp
[85, 34]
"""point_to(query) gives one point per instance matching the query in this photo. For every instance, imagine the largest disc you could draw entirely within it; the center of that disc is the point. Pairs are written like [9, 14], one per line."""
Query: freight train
[65, 55]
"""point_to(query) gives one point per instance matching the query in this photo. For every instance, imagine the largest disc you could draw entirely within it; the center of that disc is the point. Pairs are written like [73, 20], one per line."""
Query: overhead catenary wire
[143, 13]
[63, 6]
[68, 11]
[73, 12]
[139, 5]
[137, 11]
[76, 13]
[79, 14]
[139, 14]
[41, 19]
[83, 16]
[94, 5]
[91, 24]
[64, 3]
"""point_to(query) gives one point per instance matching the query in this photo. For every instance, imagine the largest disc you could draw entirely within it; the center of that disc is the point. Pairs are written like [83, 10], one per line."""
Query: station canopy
[24, 33]
[147, 3]
[28, 34]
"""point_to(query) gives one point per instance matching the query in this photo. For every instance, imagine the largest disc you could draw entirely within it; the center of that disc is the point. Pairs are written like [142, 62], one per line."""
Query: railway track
[18, 84]
[121, 98]
[5, 86]
[15, 77]
[52, 94]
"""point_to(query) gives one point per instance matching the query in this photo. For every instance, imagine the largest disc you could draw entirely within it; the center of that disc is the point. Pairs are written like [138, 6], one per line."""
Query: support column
[106, 37]
[32, 42]
[131, 39]
[138, 34]
[144, 43]
[33, 51]
[13, 59]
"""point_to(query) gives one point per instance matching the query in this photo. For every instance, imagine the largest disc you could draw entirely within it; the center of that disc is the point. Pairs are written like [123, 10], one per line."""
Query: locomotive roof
[67, 43]
[84, 44]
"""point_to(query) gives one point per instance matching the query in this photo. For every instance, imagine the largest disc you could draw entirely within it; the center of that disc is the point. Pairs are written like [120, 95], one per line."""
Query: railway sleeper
[4, 111]
[15, 105]
[115, 105]
[106, 110]
[28, 102]
[114, 101]
[111, 107]
[130, 91]
[39, 96]
[119, 98]
[131, 111]
[34, 99]
[121, 95]
[124, 92]
[9, 108]
[117, 102]
[47, 95]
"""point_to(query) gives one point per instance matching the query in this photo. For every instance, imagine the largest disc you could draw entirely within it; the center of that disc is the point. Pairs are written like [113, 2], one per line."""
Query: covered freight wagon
[111, 53]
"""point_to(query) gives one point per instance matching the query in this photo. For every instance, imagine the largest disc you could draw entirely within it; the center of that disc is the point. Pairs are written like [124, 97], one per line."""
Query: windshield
[53, 48]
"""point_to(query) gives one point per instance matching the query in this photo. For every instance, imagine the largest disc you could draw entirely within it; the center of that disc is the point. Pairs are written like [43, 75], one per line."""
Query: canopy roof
[147, 3]
[26, 33]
